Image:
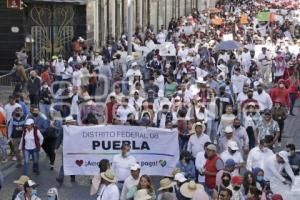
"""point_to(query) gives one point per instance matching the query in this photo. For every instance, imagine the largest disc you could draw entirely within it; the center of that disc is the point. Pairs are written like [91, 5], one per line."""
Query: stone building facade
[108, 18]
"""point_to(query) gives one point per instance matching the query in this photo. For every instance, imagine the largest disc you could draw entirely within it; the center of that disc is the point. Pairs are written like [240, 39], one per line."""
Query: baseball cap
[233, 145]
[229, 162]
[180, 178]
[29, 122]
[236, 180]
[135, 167]
[212, 147]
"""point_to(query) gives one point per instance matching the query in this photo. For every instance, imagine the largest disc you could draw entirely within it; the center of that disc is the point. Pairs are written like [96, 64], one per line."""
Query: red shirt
[211, 167]
[280, 95]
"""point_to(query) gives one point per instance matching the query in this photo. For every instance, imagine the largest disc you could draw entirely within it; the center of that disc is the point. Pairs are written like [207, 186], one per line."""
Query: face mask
[232, 151]
[281, 85]
[50, 198]
[259, 91]
[34, 192]
[226, 182]
[236, 188]
[237, 126]
[290, 154]
[125, 155]
[259, 178]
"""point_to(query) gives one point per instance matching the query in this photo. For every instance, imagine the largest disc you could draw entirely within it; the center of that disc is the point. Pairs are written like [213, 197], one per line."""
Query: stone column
[125, 16]
[102, 21]
[138, 11]
[144, 14]
[111, 19]
[118, 11]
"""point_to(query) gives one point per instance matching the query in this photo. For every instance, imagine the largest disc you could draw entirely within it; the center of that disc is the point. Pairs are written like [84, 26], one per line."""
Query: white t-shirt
[237, 157]
[121, 166]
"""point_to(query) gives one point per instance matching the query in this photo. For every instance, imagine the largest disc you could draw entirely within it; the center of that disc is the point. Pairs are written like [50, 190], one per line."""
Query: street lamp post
[129, 51]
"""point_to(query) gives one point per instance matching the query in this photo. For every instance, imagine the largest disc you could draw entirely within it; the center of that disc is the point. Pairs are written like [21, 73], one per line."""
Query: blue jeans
[45, 108]
[293, 98]
[35, 157]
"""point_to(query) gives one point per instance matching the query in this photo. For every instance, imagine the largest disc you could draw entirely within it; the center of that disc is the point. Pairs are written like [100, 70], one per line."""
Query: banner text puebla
[156, 150]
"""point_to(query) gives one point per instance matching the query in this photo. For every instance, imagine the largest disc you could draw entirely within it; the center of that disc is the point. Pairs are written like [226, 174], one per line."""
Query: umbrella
[228, 45]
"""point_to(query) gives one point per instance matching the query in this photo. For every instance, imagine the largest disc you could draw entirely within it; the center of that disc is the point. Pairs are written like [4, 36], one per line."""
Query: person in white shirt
[197, 140]
[164, 116]
[136, 101]
[183, 52]
[76, 78]
[59, 67]
[233, 153]
[133, 71]
[238, 80]
[160, 101]
[30, 144]
[159, 80]
[264, 61]
[273, 167]
[200, 162]
[125, 109]
[121, 164]
[132, 180]
[257, 155]
[246, 59]
[10, 107]
[263, 98]
[108, 189]
[243, 95]
[97, 62]
[67, 74]
[161, 37]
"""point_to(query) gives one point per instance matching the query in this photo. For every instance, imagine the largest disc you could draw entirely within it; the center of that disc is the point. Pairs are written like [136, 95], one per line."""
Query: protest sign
[227, 37]
[156, 150]
[167, 49]
[263, 16]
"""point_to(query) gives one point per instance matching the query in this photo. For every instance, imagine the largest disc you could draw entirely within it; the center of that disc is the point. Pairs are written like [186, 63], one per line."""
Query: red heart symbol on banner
[79, 162]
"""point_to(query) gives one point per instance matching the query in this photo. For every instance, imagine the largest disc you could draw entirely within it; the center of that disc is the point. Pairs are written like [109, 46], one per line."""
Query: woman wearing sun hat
[144, 183]
[108, 189]
[19, 185]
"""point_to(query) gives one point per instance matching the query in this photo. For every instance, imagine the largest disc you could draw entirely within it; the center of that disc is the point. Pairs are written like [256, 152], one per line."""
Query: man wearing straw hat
[166, 185]
[108, 189]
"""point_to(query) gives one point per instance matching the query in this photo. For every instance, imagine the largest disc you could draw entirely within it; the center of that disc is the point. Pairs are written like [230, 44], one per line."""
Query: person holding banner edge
[121, 164]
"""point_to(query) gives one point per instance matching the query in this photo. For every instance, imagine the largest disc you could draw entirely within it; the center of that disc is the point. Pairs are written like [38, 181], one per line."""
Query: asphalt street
[80, 189]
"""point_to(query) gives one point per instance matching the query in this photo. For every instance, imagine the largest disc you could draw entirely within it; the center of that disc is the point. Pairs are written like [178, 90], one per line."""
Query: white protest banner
[156, 150]
[167, 49]
[227, 37]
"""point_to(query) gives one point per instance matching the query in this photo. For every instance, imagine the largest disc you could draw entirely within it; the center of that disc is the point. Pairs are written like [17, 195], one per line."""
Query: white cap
[135, 167]
[233, 145]
[228, 129]
[29, 122]
[134, 64]
[31, 183]
[180, 178]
